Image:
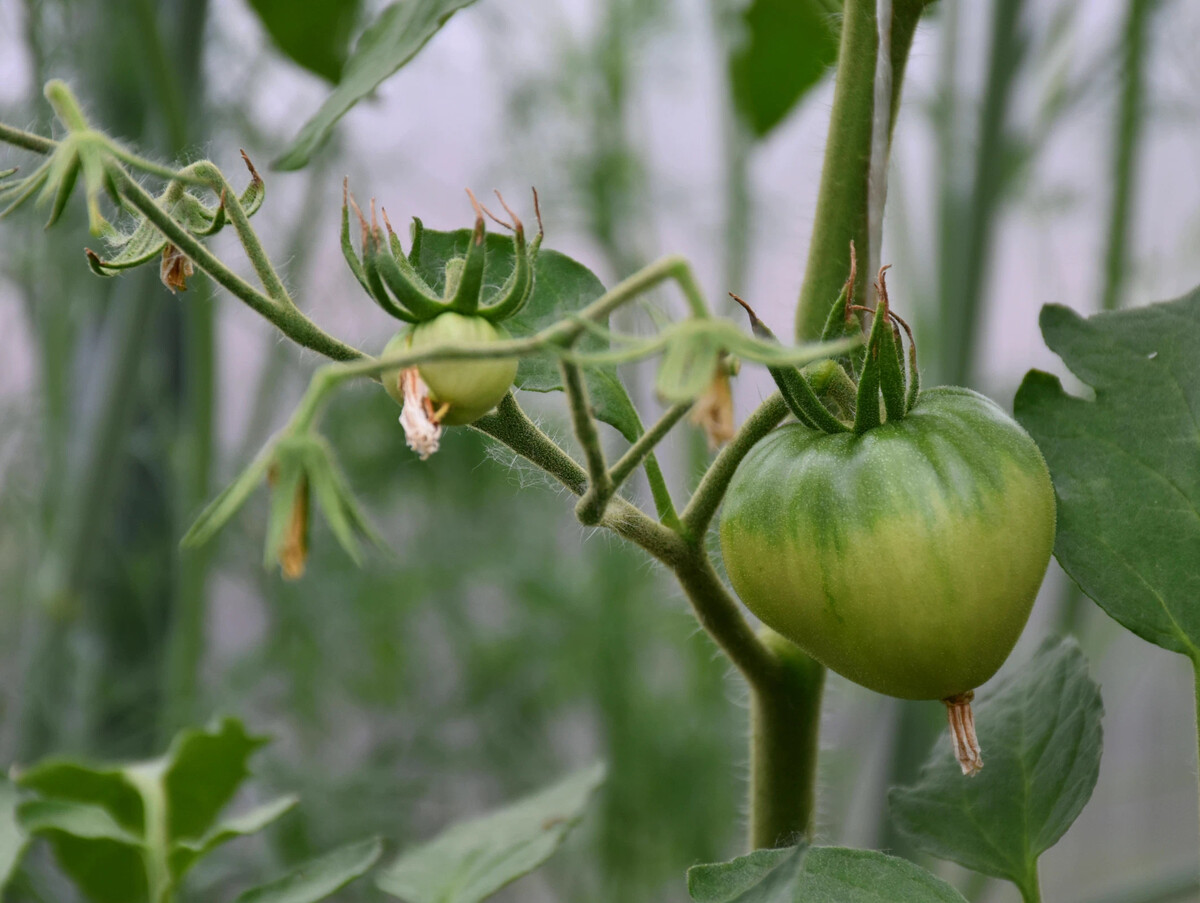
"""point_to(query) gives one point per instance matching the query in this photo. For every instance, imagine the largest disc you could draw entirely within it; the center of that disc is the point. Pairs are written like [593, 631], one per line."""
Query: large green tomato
[470, 388]
[907, 558]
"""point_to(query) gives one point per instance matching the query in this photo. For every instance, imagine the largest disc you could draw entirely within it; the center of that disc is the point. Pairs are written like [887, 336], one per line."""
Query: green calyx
[392, 279]
[844, 394]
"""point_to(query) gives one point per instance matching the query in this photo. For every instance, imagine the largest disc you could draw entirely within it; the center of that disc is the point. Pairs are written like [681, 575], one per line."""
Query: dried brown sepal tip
[713, 411]
[293, 550]
[962, 733]
[254, 176]
[175, 270]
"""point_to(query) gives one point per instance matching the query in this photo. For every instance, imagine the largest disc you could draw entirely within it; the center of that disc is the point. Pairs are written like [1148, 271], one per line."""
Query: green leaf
[400, 31]
[721, 882]
[319, 878]
[787, 47]
[1041, 738]
[316, 35]
[184, 854]
[817, 875]
[838, 875]
[78, 819]
[94, 815]
[561, 286]
[1124, 464]
[100, 856]
[12, 837]
[471, 861]
[103, 785]
[203, 770]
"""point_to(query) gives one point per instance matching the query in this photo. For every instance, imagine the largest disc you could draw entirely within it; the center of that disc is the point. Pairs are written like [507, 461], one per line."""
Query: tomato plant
[894, 534]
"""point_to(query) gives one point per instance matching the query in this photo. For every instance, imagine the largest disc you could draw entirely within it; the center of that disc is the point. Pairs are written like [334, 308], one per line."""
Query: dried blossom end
[962, 733]
[421, 421]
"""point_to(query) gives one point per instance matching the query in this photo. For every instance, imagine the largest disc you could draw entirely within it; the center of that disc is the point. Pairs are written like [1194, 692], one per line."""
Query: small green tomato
[468, 389]
[906, 558]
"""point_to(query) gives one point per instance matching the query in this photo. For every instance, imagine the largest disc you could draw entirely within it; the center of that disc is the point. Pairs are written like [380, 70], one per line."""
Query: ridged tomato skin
[470, 388]
[906, 559]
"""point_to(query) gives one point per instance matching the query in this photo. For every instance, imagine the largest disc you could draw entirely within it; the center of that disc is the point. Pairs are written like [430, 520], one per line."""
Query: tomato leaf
[105, 786]
[315, 35]
[1124, 464]
[319, 878]
[561, 285]
[395, 38]
[185, 853]
[471, 861]
[817, 875]
[94, 815]
[788, 45]
[1041, 738]
[102, 857]
[12, 836]
[202, 771]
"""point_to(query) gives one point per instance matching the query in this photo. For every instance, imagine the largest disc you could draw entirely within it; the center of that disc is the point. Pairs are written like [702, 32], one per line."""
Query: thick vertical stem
[785, 721]
[842, 203]
[785, 713]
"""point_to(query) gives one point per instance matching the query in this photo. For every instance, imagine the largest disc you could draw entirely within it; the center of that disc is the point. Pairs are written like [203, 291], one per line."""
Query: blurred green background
[1044, 152]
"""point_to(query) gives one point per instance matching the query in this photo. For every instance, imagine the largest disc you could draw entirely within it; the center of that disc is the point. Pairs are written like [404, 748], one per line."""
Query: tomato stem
[1196, 673]
[785, 720]
[842, 202]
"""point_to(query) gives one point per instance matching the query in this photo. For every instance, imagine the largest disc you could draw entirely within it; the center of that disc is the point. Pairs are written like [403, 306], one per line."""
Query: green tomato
[470, 388]
[907, 558]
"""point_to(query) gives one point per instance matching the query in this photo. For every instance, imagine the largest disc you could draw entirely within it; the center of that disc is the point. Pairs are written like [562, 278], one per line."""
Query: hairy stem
[639, 451]
[599, 482]
[842, 202]
[785, 721]
[715, 609]
[704, 502]
[290, 321]
[26, 140]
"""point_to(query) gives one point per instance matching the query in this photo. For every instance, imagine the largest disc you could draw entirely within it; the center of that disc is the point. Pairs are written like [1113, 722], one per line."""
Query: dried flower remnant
[293, 548]
[421, 421]
[176, 268]
[713, 411]
[962, 733]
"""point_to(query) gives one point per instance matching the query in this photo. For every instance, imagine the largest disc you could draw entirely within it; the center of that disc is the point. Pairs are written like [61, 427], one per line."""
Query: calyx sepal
[390, 277]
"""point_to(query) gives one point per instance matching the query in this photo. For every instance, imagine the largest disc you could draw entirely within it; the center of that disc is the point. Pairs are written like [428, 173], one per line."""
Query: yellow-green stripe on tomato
[906, 559]
[470, 388]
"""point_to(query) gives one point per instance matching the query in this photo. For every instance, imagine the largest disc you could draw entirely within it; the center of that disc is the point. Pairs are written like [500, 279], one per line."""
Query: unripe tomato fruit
[470, 388]
[907, 558]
